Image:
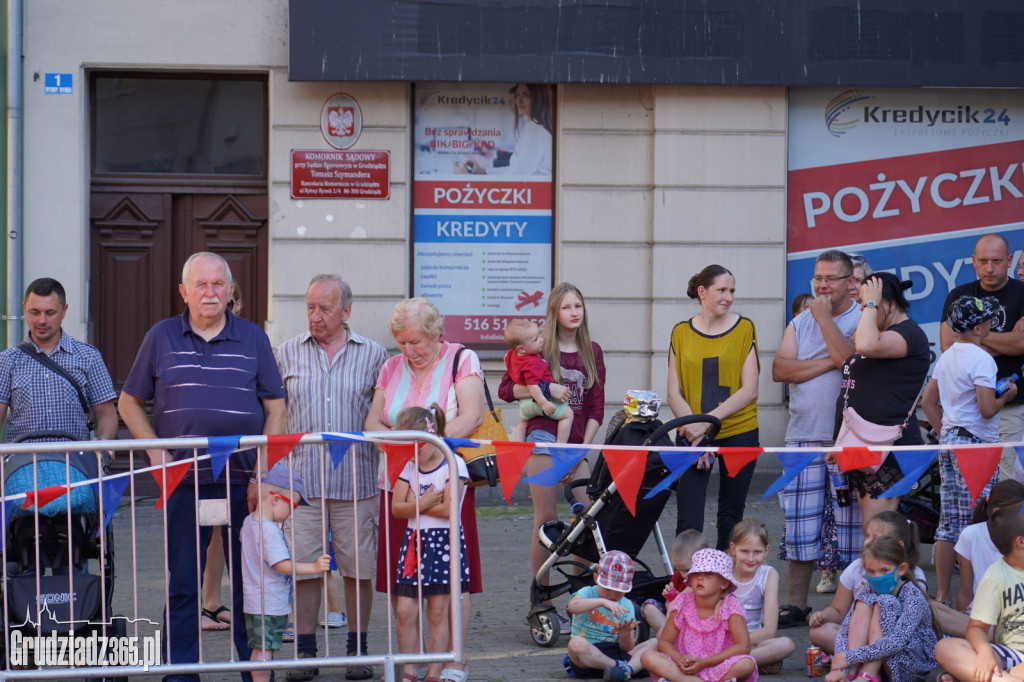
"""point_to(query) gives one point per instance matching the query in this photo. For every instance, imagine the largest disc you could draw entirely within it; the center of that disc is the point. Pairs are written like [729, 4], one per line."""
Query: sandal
[770, 668]
[209, 622]
[792, 616]
[215, 614]
[454, 675]
[289, 633]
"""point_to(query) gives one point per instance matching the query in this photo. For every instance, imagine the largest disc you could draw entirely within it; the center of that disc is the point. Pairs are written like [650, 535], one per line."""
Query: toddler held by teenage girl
[757, 588]
[890, 624]
[422, 496]
[705, 637]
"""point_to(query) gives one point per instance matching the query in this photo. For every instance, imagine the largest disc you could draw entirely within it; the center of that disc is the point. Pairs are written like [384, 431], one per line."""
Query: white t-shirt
[421, 480]
[961, 368]
[975, 545]
[264, 588]
[853, 575]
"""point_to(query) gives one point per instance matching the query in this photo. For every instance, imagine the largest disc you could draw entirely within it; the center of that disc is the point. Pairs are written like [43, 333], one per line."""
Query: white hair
[205, 254]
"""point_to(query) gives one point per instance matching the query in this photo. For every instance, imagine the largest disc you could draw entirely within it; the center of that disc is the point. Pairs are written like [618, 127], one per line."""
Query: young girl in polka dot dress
[424, 561]
[705, 637]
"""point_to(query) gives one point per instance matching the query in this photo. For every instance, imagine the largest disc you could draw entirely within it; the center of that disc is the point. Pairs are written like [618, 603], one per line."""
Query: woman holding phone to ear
[713, 369]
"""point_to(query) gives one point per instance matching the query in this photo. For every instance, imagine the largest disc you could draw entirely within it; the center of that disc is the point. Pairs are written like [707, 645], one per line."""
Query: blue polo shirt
[207, 388]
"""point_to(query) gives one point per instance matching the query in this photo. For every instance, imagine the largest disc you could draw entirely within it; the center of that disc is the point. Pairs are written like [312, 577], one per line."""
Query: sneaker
[828, 582]
[618, 673]
[563, 621]
[334, 620]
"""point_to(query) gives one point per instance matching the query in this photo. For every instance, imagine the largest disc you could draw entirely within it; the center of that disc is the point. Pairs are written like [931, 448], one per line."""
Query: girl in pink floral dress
[705, 638]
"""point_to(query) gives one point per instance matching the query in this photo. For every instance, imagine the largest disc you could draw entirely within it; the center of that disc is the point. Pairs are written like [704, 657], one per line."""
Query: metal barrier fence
[63, 514]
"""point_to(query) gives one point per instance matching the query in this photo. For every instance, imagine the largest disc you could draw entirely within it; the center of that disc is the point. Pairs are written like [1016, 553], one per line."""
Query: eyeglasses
[293, 503]
[818, 279]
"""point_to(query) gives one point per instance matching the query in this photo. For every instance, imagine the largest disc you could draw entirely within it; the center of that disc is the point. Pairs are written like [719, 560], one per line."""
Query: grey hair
[417, 311]
[205, 254]
[343, 288]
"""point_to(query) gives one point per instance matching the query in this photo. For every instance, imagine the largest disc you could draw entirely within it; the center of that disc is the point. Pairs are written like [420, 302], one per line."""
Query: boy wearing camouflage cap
[962, 398]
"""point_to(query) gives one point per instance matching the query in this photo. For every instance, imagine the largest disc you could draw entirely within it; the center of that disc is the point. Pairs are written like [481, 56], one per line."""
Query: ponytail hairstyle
[892, 289]
[421, 419]
[705, 278]
[903, 529]
[1005, 492]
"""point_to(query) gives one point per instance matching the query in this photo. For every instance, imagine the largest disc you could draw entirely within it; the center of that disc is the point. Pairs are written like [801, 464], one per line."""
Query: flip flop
[208, 623]
[792, 616]
[215, 614]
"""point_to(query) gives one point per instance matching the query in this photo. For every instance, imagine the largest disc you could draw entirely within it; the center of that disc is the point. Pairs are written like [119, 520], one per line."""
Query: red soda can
[813, 658]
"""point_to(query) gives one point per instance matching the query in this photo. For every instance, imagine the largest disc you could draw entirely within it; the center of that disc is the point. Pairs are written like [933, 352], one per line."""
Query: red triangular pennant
[43, 497]
[627, 468]
[511, 458]
[398, 454]
[977, 466]
[857, 458]
[175, 472]
[279, 445]
[737, 458]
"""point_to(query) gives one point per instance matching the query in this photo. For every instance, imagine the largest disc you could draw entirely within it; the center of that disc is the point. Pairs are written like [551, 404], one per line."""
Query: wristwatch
[870, 304]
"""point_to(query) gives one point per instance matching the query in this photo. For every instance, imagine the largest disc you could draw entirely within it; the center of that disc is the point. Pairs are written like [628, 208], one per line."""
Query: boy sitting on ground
[526, 366]
[999, 602]
[603, 639]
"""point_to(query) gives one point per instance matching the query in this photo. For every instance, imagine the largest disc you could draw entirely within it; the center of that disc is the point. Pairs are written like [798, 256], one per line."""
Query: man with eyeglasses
[812, 350]
[992, 260]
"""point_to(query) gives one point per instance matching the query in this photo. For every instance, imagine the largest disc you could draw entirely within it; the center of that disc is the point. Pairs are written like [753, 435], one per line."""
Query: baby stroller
[47, 554]
[607, 525]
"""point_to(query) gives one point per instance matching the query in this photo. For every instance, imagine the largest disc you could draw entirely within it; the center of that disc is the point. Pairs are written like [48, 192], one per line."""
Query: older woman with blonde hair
[425, 372]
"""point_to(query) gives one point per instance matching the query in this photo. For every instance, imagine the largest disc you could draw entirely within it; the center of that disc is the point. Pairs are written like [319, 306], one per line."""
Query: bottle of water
[841, 484]
[1003, 385]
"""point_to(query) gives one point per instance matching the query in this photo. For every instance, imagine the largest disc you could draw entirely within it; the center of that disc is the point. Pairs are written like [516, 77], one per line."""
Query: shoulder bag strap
[45, 360]
[487, 392]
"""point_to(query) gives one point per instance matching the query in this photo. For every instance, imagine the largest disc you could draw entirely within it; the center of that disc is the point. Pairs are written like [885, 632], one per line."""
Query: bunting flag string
[913, 465]
[857, 458]
[43, 497]
[219, 450]
[338, 447]
[974, 463]
[627, 468]
[737, 458]
[175, 473]
[398, 455]
[511, 459]
[111, 491]
[793, 462]
[677, 463]
[280, 445]
[562, 462]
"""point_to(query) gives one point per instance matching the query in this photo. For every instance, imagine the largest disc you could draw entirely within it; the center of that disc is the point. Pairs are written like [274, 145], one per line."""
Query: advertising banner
[907, 178]
[482, 232]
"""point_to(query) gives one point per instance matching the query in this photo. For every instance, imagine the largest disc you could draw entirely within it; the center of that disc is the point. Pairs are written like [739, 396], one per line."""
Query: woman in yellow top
[713, 369]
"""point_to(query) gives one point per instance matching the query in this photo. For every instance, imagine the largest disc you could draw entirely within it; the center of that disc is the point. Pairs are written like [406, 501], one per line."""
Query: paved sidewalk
[499, 643]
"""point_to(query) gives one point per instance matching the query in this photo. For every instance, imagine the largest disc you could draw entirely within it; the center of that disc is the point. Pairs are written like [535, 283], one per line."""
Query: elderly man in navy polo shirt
[180, 367]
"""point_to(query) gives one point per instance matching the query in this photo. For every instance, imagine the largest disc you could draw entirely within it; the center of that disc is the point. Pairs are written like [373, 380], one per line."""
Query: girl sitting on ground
[758, 590]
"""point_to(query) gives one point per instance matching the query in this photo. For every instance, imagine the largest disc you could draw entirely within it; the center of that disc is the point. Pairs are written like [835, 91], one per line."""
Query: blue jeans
[732, 491]
[181, 618]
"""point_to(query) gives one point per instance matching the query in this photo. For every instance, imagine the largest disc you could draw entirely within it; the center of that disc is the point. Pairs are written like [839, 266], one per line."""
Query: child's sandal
[869, 678]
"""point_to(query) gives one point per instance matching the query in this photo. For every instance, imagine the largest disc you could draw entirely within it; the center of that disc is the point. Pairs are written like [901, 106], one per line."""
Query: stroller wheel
[545, 630]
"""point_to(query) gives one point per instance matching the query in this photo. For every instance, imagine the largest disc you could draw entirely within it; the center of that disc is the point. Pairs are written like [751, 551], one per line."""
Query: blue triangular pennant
[110, 492]
[456, 443]
[793, 462]
[913, 464]
[562, 462]
[1019, 449]
[219, 448]
[338, 446]
[677, 463]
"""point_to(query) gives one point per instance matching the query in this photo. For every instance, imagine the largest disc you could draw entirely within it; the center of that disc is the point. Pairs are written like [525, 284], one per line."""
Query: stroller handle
[673, 424]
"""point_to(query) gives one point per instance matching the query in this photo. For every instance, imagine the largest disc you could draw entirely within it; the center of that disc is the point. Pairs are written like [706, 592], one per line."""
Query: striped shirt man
[332, 396]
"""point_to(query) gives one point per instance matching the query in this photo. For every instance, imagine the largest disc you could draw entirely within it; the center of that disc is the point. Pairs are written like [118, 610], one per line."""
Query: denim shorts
[540, 436]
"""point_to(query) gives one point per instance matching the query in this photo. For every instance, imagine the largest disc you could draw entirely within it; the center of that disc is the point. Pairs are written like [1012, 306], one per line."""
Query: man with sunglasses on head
[812, 350]
[992, 260]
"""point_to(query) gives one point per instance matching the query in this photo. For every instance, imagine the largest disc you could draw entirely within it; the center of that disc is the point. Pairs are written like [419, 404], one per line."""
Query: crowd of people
[854, 360]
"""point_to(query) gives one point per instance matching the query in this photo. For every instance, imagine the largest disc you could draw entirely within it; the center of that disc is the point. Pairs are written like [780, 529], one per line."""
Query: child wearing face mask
[890, 624]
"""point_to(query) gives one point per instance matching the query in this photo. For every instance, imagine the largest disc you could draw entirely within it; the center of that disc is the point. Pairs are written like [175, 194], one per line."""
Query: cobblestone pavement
[499, 643]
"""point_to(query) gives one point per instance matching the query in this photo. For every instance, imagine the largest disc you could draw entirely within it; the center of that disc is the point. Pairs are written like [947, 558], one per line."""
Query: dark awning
[953, 43]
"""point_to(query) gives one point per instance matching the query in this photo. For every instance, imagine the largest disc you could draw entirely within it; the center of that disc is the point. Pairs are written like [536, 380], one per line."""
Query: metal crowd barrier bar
[64, 612]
